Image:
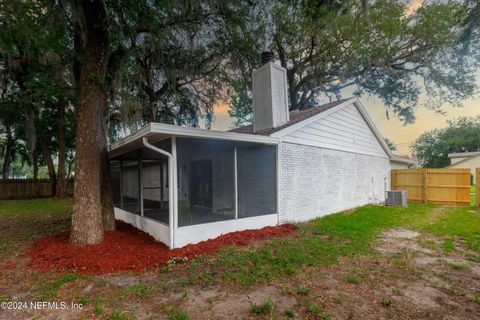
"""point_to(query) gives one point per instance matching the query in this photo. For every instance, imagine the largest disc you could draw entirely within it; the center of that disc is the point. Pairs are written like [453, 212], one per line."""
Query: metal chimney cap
[267, 56]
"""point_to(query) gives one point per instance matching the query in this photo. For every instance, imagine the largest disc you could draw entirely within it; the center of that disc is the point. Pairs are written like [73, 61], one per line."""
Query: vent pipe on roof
[267, 56]
[270, 104]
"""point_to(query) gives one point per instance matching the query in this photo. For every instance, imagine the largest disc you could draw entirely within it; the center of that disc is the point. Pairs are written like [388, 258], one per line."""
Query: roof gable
[301, 119]
[295, 118]
[463, 154]
[343, 128]
[397, 158]
[466, 160]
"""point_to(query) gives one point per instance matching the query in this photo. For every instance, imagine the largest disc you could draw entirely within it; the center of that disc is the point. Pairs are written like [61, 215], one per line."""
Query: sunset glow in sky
[391, 128]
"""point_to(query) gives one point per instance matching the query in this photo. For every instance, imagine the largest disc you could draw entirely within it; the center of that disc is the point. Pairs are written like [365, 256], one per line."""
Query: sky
[394, 129]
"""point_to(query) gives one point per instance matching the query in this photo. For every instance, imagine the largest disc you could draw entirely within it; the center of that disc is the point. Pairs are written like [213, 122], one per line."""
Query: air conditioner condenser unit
[396, 198]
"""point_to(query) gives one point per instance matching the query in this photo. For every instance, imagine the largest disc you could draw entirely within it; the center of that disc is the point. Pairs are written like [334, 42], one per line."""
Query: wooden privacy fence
[14, 189]
[477, 186]
[440, 186]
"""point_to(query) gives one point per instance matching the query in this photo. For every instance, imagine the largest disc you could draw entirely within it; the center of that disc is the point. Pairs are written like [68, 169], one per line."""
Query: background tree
[10, 119]
[169, 70]
[391, 145]
[244, 38]
[461, 135]
[34, 56]
[374, 47]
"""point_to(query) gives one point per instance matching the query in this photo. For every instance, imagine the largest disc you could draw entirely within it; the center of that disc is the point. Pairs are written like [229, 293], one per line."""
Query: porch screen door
[201, 194]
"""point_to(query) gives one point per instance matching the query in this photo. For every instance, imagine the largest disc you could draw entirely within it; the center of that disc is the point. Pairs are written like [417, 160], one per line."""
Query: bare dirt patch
[219, 304]
[424, 296]
[446, 284]
[401, 233]
[395, 240]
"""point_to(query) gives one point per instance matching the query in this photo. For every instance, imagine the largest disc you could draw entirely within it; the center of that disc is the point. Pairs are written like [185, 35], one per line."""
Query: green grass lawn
[473, 194]
[32, 208]
[29, 219]
[324, 240]
[319, 242]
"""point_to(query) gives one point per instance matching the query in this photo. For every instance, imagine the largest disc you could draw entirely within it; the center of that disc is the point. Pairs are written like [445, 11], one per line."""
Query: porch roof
[159, 131]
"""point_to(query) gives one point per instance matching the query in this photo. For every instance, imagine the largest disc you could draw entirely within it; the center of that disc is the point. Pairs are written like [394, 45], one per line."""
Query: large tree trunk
[87, 226]
[35, 169]
[29, 110]
[35, 165]
[153, 110]
[61, 152]
[7, 152]
[30, 129]
[47, 154]
[69, 169]
[108, 216]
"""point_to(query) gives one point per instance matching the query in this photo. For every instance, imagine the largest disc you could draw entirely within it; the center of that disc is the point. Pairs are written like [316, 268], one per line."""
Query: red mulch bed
[129, 249]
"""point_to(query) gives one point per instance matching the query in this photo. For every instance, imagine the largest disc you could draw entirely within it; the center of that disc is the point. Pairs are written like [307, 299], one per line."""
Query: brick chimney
[270, 104]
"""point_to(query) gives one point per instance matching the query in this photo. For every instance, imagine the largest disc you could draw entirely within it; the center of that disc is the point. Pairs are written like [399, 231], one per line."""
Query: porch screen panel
[155, 189]
[115, 174]
[206, 181]
[130, 187]
[257, 180]
[155, 182]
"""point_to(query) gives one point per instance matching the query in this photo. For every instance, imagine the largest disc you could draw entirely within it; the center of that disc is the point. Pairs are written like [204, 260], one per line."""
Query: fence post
[393, 180]
[477, 187]
[425, 186]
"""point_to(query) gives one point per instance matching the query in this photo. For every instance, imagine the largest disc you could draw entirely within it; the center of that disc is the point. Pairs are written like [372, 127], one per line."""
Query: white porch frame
[181, 236]
[171, 182]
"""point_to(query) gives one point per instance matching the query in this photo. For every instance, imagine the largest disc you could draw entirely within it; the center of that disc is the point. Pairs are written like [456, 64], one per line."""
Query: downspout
[147, 145]
[277, 181]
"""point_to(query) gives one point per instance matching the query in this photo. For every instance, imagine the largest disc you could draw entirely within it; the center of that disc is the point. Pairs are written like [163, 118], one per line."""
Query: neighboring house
[184, 185]
[469, 160]
[398, 162]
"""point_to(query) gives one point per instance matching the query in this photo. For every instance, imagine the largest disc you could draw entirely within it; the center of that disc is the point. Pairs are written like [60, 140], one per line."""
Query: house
[185, 185]
[399, 162]
[469, 160]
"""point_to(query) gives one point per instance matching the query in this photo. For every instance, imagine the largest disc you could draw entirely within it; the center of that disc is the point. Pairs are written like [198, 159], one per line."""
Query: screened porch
[185, 189]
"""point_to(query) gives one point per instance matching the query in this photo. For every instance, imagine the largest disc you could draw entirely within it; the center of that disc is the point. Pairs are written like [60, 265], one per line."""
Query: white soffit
[178, 131]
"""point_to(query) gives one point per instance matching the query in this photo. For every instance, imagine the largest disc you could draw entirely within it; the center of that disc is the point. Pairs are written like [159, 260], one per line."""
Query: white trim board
[205, 231]
[301, 142]
[159, 231]
[133, 141]
[210, 134]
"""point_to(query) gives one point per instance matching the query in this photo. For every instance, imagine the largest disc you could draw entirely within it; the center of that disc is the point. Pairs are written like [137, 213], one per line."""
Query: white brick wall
[314, 181]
